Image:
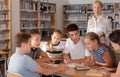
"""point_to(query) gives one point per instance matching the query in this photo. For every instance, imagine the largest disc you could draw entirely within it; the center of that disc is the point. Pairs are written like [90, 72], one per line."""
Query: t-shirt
[98, 55]
[56, 52]
[22, 64]
[35, 53]
[76, 51]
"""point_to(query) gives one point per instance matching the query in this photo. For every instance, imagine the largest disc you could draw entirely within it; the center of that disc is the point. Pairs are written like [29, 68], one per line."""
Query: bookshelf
[28, 15]
[5, 27]
[36, 15]
[75, 14]
[79, 14]
[47, 19]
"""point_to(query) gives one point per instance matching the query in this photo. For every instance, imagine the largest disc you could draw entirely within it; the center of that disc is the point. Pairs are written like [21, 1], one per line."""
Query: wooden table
[72, 72]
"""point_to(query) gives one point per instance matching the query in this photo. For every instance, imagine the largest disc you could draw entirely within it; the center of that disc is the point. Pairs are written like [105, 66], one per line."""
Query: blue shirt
[98, 55]
[22, 64]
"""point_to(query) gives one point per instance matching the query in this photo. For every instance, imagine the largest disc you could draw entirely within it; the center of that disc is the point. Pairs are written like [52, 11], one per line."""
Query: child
[75, 50]
[36, 53]
[22, 64]
[54, 47]
[100, 54]
[115, 42]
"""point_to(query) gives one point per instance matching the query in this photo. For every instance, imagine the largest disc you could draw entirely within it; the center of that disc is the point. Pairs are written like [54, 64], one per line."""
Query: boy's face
[35, 40]
[27, 46]
[74, 36]
[56, 37]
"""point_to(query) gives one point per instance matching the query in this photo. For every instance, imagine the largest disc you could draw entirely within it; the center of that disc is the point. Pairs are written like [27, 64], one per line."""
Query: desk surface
[81, 73]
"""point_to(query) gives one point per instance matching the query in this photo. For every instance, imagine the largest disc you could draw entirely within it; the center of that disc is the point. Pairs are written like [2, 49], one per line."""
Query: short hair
[34, 32]
[92, 36]
[114, 36]
[20, 38]
[72, 27]
[98, 2]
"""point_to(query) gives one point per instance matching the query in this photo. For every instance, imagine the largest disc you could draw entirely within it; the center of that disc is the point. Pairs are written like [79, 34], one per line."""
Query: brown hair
[98, 2]
[115, 36]
[34, 33]
[20, 38]
[92, 36]
[49, 42]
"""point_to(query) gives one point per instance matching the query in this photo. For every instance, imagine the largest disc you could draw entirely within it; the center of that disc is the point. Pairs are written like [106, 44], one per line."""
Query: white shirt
[58, 48]
[77, 51]
[102, 24]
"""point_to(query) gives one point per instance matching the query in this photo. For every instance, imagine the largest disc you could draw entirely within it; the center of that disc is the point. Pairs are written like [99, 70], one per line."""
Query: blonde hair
[50, 47]
[98, 2]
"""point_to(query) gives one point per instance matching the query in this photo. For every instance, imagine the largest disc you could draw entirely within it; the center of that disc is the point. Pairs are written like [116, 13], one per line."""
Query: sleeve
[87, 53]
[44, 47]
[66, 49]
[30, 64]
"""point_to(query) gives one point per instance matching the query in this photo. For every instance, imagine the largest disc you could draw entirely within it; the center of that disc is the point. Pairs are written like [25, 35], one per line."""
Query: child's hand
[67, 60]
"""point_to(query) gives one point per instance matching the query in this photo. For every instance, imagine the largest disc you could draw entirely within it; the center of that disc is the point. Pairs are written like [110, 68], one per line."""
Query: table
[72, 72]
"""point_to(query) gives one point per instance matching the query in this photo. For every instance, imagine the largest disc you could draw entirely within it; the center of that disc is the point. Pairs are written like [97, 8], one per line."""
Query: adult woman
[98, 23]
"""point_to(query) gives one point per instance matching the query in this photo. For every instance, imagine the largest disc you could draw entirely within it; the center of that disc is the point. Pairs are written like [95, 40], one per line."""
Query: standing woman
[98, 23]
[115, 42]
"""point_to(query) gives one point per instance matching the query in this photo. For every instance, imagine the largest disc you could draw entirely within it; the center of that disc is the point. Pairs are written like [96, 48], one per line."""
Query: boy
[22, 64]
[36, 52]
[75, 46]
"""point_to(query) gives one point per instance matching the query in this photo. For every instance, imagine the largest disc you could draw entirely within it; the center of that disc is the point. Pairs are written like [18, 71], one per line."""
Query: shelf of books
[5, 26]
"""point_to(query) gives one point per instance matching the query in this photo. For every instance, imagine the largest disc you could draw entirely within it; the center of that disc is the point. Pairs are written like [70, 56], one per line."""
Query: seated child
[36, 52]
[54, 47]
[100, 54]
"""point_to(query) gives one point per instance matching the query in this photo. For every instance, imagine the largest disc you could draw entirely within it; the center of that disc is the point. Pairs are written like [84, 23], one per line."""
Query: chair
[10, 74]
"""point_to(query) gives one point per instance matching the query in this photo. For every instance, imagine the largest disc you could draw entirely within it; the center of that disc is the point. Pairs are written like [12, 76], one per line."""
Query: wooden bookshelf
[80, 13]
[28, 15]
[36, 15]
[75, 13]
[47, 19]
[5, 27]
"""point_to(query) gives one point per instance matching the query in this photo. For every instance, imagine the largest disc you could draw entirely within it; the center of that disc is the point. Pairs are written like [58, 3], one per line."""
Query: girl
[115, 42]
[100, 54]
[54, 47]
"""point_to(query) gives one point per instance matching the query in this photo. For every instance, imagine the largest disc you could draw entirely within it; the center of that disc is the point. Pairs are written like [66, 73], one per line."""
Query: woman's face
[115, 46]
[90, 44]
[97, 9]
[56, 37]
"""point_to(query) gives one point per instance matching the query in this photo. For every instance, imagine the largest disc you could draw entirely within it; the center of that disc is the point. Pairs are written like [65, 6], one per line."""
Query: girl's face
[90, 44]
[115, 46]
[97, 9]
[56, 37]
[35, 40]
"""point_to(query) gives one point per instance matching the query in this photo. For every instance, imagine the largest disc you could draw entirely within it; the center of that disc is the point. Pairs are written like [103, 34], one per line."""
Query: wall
[15, 20]
[59, 4]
